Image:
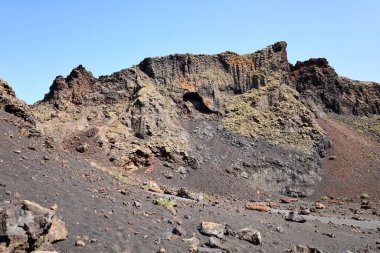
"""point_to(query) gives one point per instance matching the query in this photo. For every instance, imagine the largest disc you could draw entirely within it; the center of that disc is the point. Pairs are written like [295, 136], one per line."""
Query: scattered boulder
[26, 226]
[250, 235]
[212, 229]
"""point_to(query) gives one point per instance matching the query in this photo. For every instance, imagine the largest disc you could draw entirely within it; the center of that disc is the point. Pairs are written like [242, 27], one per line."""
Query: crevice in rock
[197, 101]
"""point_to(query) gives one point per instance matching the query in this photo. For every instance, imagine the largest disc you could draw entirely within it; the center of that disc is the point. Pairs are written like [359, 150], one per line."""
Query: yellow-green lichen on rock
[275, 112]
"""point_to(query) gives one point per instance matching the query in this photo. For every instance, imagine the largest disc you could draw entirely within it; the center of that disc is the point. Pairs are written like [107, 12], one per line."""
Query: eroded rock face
[320, 86]
[25, 226]
[11, 104]
[142, 113]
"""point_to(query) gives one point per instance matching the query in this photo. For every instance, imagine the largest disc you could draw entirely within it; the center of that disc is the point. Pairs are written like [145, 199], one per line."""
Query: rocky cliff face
[11, 104]
[319, 85]
[170, 107]
[150, 110]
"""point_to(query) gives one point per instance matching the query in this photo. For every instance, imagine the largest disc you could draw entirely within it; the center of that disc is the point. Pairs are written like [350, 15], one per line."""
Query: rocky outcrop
[26, 226]
[320, 87]
[11, 104]
[138, 114]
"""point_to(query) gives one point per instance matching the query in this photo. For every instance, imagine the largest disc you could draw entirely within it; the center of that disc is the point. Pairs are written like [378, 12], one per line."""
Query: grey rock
[209, 250]
[82, 148]
[182, 170]
[168, 174]
[217, 243]
[28, 226]
[137, 204]
[280, 229]
[179, 231]
[244, 175]
[250, 235]
[192, 241]
[292, 216]
[212, 229]
[305, 249]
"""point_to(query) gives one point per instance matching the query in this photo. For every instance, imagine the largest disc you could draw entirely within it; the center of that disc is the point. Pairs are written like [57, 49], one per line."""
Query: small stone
[193, 248]
[288, 200]
[280, 229]
[54, 207]
[82, 148]
[304, 212]
[172, 210]
[137, 204]
[57, 231]
[94, 241]
[192, 241]
[331, 235]
[168, 174]
[179, 231]
[320, 206]
[250, 235]
[182, 170]
[305, 249]
[261, 207]
[161, 250]
[8, 192]
[167, 236]
[292, 216]
[216, 243]
[212, 229]
[244, 175]
[209, 250]
[80, 243]
[153, 187]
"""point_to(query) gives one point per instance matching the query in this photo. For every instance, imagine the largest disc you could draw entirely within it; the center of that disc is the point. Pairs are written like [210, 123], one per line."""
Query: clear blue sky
[42, 39]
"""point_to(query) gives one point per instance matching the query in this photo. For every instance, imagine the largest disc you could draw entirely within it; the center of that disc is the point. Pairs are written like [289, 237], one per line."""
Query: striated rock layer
[250, 115]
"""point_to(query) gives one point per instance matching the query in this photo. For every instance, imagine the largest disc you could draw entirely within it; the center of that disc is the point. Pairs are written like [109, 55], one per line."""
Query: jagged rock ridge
[154, 109]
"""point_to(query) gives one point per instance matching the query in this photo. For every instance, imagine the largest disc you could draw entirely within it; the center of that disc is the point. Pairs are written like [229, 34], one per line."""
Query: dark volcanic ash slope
[241, 117]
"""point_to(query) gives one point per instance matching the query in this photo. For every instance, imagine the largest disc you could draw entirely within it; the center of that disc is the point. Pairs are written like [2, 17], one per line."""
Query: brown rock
[320, 206]
[288, 200]
[153, 187]
[250, 235]
[80, 243]
[57, 231]
[212, 229]
[261, 207]
[54, 207]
